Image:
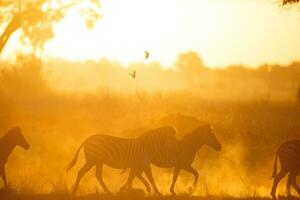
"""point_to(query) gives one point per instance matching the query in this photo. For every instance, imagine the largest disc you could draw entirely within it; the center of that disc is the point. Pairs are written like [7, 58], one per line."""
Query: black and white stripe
[123, 153]
[180, 154]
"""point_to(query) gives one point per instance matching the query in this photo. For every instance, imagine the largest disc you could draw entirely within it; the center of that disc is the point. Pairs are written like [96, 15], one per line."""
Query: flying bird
[133, 74]
[146, 55]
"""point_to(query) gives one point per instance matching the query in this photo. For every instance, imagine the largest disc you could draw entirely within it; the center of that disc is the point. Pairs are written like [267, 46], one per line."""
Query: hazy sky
[223, 32]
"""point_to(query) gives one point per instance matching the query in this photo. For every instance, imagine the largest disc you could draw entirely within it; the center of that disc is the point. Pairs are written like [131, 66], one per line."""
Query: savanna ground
[14, 196]
[253, 112]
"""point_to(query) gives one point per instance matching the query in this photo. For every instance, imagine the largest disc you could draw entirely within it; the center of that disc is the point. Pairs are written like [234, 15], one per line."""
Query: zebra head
[208, 137]
[19, 138]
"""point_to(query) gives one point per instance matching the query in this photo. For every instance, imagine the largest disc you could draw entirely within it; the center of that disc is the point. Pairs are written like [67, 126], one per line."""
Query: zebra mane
[11, 132]
[10, 136]
[195, 132]
[166, 130]
[171, 130]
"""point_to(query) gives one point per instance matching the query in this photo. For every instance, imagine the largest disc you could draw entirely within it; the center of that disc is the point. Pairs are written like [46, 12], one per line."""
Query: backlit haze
[233, 64]
[223, 32]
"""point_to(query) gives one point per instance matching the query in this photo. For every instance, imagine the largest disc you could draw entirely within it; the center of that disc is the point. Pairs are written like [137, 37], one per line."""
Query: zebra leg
[129, 181]
[148, 173]
[288, 185]
[145, 182]
[124, 186]
[100, 178]
[175, 177]
[293, 181]
[142, 179]
[196, 175]
[277, 179]
[4, 177]
[80, 174]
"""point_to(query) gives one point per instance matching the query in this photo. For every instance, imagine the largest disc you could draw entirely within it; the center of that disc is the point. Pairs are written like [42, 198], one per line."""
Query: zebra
[12, 138]
[183, 153]
[289, 156]
[120, 153]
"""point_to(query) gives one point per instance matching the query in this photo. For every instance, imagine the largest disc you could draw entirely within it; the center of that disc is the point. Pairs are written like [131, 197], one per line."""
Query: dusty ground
[136, 195]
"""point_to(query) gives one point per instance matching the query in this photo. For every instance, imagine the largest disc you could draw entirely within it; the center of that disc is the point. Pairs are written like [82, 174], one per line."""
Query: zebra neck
[6, 147]
[192, 146]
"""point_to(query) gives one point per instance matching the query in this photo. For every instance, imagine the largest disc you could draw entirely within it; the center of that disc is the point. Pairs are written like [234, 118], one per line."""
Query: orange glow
[222, 32]
[230, 65]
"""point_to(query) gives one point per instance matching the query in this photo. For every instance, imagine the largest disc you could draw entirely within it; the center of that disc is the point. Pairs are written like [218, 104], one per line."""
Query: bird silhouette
[146, 55]
[133, 74]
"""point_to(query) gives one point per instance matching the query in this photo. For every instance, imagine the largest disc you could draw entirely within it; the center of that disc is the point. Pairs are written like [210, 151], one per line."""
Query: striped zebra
[12, 138]
[123, 153]
[289, 156]
[182, 154]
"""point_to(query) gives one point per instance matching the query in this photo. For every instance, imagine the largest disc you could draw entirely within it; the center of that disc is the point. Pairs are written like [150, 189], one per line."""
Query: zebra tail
[123, 171]
[275, 166]
[73, 162]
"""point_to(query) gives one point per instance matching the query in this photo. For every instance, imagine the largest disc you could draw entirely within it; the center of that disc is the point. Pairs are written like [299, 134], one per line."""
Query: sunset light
[223, 32]
[149, 99]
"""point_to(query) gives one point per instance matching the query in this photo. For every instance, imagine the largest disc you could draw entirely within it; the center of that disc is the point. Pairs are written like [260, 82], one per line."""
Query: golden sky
[223, 32]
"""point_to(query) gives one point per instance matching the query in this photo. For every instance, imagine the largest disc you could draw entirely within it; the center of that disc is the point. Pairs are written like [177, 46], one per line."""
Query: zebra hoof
[159, 194]
[273, 196]
[148, 189]
[109, 193]
[73, 192]
[191, 190]
[122, 189]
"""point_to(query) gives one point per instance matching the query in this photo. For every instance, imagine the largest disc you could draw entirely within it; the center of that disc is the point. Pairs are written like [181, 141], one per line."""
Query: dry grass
[56, 123]
[134, 195]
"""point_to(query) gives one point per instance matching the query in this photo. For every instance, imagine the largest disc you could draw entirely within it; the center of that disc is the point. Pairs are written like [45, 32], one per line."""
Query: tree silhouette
[190, 63]
[191, 66]
[36, 18]
[287, 2]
